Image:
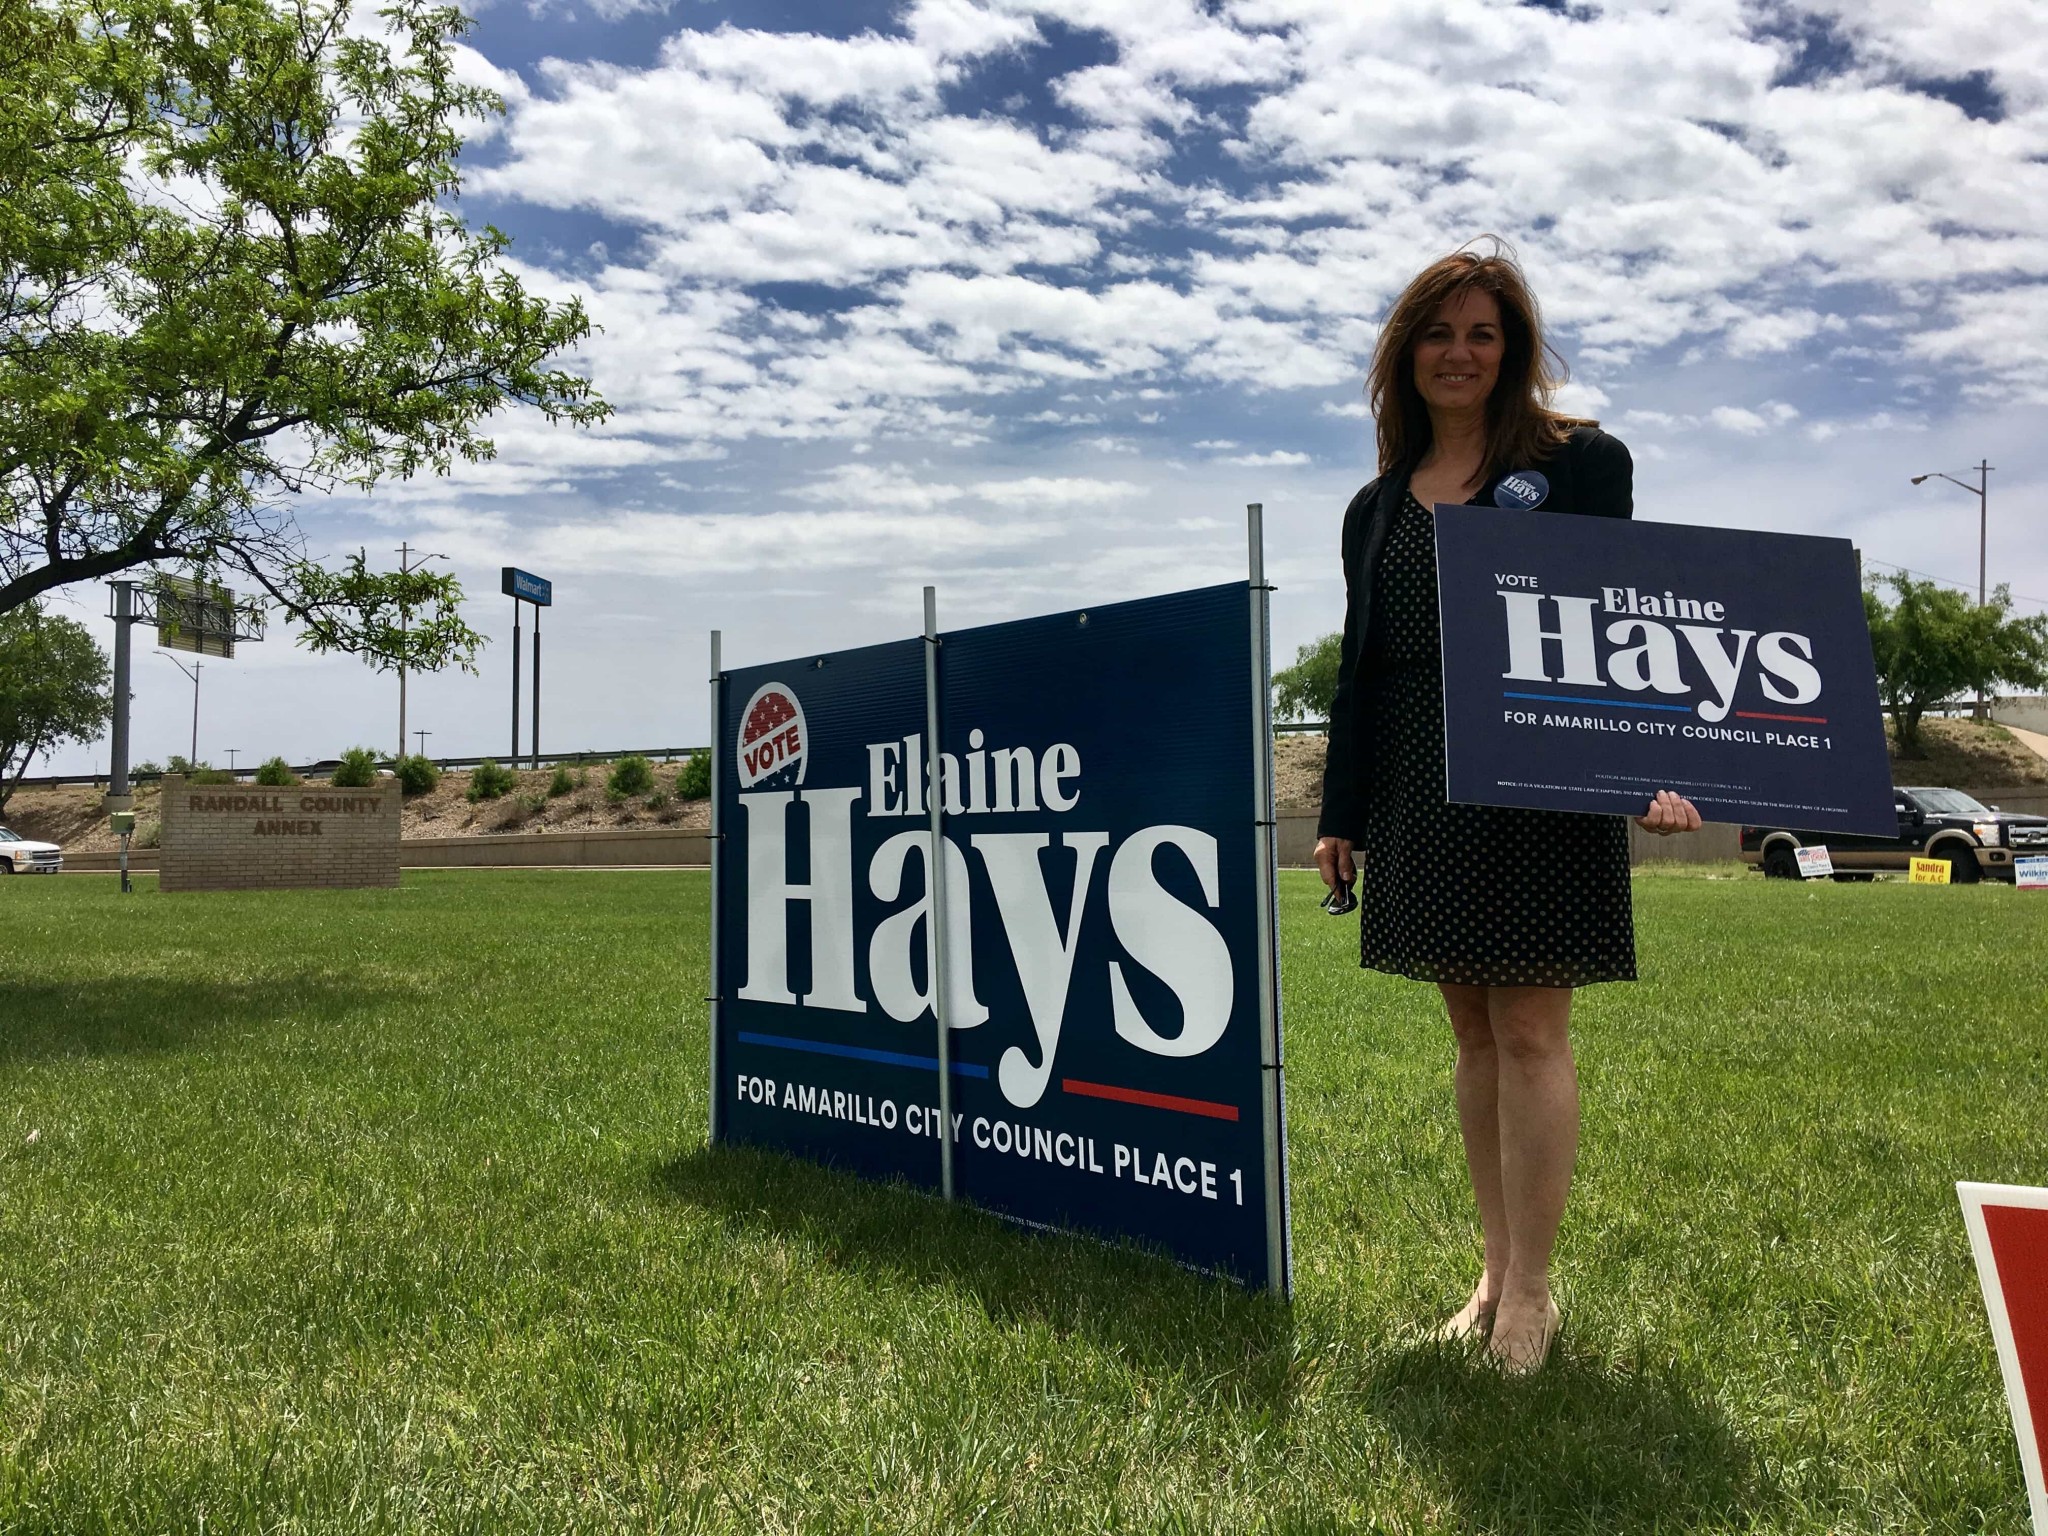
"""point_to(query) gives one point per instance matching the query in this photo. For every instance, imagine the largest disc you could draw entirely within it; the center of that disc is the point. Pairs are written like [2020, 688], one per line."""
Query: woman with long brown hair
[1505, 910]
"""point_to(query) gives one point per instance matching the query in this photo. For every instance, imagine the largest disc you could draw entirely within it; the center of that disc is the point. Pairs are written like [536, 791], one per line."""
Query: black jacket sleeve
[1605, 475]
[1342, 813]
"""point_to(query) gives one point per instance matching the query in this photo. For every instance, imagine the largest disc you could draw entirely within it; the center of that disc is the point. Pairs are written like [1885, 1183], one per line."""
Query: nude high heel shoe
[1516, 1362]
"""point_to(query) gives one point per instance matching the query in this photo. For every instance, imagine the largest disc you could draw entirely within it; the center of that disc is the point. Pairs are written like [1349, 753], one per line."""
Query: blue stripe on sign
[1565, 698]
[860, 1053]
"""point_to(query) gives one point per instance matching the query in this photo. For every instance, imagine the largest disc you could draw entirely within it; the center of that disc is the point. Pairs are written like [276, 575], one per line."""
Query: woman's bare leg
[1538, 1089]
[1476, 1081]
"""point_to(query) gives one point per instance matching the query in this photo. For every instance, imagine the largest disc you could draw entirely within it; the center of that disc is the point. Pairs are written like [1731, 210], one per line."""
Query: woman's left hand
[1670, 812]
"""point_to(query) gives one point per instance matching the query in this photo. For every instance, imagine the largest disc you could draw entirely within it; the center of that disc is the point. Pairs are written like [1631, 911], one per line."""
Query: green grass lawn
[391, 1211]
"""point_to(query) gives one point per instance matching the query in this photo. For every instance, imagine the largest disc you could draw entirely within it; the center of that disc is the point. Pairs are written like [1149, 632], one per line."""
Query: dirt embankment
[1298, 769]
[1960, 753]
[71, 815]
[1966, 754]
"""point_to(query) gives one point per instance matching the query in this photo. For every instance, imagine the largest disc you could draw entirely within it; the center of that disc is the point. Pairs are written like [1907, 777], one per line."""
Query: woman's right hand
[1333, 859]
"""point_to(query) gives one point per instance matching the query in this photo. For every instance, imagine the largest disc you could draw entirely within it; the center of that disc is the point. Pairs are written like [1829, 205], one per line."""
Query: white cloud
[1279, 458]
[1713, 207]
[1735, 418]
[1819, 273]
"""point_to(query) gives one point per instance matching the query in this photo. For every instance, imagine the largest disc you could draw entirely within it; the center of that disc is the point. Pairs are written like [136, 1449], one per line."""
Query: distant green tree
[53, 689]
[1932, 643]
[1306, 690]
[694, 781]
[276, 773]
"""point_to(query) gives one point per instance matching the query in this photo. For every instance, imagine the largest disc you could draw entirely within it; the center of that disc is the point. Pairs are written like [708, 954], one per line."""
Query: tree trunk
[1907, 719]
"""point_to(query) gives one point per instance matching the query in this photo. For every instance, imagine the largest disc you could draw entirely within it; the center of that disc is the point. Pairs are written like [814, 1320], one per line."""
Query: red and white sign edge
[1975, 1198]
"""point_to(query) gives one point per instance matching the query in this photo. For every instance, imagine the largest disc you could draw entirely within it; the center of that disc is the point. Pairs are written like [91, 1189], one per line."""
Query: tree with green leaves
[231, 273]
[1306, 690]
[1932, 643]
[53, 689]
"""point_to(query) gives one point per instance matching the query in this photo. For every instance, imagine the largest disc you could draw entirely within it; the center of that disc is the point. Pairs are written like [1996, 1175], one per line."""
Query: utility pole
[231, 751]
[423, 735]
[1982, 491]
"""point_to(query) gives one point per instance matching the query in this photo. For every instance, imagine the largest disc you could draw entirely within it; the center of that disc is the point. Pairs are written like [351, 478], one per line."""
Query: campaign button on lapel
[1521, 489]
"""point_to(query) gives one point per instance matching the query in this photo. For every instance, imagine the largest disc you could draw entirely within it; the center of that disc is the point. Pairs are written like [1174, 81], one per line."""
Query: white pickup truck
[19, 856]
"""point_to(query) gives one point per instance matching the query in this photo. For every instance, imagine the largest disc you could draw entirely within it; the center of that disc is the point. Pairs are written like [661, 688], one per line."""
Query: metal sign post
[118, 794]
[124, 824]
[935, 926]
[1265, 819]
[514, 758]
[717, 864]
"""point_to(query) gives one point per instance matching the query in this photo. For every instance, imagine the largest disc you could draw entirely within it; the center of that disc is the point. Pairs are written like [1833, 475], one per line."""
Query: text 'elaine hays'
[1154, 929]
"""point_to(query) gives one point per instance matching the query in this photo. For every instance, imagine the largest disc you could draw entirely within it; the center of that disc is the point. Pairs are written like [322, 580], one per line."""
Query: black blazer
[1590, 474]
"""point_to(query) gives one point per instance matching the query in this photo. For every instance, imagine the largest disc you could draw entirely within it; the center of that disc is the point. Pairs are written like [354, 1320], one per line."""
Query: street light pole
[406, 566]
[193, 673]
[1982, 491]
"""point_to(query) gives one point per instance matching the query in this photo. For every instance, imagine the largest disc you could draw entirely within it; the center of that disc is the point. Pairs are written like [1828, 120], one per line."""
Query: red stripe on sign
[1751, 714]
[1151, 1100]
[2019, 1247]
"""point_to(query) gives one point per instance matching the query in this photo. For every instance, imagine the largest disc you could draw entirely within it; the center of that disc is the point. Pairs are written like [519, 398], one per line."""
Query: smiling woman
[1506, 910]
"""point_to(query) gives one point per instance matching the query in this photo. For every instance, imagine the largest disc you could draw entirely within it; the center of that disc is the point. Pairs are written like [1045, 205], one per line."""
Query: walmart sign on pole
[993, 913]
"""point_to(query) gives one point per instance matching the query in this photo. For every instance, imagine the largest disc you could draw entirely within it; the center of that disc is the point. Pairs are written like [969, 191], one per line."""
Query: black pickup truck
[1979, 841]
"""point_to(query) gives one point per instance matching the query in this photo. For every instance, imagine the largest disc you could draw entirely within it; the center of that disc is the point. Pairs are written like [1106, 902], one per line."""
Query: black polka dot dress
[1475, 894]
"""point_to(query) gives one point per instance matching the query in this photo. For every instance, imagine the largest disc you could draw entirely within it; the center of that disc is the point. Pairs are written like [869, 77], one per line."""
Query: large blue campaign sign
[1110, 982]
[1590, 662]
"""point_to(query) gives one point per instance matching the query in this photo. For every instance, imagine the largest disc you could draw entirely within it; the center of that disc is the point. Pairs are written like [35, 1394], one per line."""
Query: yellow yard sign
[1930, 872]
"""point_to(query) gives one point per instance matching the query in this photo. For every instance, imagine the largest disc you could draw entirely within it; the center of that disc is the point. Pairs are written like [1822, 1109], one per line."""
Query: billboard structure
[199, 616]
[525, 587]
[993, 913]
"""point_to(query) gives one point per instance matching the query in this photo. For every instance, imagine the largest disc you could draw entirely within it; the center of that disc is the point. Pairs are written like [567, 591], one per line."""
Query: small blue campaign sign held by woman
[1520, 490]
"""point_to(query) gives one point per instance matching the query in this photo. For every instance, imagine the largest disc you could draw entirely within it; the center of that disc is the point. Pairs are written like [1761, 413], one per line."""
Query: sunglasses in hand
[1340, 901]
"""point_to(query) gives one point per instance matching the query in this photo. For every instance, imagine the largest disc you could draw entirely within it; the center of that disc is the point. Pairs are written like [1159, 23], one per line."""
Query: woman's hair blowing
[1521, 427]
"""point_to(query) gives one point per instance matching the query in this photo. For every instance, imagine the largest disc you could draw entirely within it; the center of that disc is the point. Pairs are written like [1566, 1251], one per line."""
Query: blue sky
[1027, 298]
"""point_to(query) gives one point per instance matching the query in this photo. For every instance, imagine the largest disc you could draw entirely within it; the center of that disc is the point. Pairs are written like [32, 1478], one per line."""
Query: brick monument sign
[227, 837]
